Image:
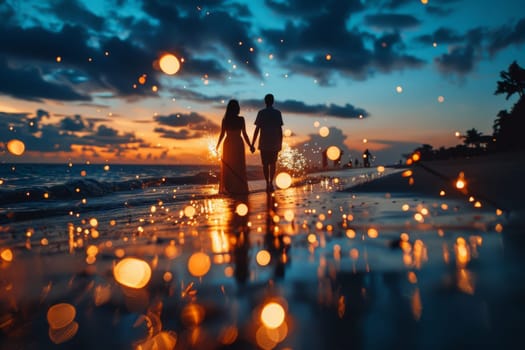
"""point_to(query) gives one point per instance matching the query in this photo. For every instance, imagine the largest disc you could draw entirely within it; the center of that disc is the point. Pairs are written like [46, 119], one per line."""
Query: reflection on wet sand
[305, 267]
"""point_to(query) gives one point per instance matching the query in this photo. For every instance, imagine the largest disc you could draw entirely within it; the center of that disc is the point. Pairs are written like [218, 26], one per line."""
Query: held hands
[252, 149]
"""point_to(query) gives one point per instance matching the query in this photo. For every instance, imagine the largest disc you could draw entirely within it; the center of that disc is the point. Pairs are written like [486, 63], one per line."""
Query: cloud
[72, 123]
[507, 35]
[441, 36]
[304, 45]
[27, 83]
[184, 126]
[391, 21]
[460, 59]
[347, 111]
[62, 135]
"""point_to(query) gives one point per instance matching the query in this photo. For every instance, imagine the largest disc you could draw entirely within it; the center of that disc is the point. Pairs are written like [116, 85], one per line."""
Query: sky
[80, 80]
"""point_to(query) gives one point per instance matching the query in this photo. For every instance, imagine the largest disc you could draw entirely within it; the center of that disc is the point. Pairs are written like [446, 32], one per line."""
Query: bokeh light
[7, 255]
[16, 147]
[61, 315]
[283, 180]
[169, 64]
[132, 272]
[324, 131]
[241, 209]
[263, 257]
[333, 153]
[199, 264]
[272, 315]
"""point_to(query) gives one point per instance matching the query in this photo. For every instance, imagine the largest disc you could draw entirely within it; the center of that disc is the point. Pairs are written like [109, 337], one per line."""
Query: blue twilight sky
[79, 80]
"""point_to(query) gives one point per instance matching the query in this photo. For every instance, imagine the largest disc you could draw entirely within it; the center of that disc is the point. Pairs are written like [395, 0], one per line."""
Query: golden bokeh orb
[333, 152]
[132, 272]
[199, 264]
[7, 255]
[324, 131]
[272, 315]
[263, 257]
[16, 147]
[283, 180]
[169, 64]
[241, 209]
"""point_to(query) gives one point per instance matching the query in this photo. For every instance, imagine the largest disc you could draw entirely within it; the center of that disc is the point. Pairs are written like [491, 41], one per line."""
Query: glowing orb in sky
[132, 272]
[333, 152]
[169, 64]
[272, 315]
[199, 264]
[283, 180]
[16, 147]
[399, 89]
[324, 131]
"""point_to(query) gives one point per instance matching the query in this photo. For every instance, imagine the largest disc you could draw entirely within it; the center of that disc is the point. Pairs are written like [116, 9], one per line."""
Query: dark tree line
[508, 129]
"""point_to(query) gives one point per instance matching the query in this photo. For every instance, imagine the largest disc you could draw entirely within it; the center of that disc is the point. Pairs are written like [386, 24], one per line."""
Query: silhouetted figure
[325, 159]
[366, 158]
[233, 179]
[268, 123]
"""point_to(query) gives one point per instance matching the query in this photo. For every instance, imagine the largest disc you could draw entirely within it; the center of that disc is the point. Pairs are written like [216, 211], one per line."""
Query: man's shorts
[269, 157]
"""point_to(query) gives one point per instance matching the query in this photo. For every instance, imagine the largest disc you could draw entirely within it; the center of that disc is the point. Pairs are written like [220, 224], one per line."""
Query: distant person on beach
[366, 158]
[268, 123]
[233, 180]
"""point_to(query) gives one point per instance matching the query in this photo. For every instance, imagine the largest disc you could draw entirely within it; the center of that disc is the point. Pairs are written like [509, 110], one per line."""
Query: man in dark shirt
[268, 123]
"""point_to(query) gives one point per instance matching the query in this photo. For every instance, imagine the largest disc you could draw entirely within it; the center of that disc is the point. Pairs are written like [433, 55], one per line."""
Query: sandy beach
[402, 260]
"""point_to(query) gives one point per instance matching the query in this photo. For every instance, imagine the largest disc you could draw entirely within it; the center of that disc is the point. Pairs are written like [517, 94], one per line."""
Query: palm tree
[512, 81]
[472, 138]
[509, 127]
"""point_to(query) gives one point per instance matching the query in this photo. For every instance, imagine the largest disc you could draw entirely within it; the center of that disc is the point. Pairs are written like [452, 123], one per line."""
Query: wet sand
[392, 263]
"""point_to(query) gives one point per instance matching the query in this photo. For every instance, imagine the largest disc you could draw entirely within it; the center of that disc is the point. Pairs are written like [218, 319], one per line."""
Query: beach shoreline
[363, 260]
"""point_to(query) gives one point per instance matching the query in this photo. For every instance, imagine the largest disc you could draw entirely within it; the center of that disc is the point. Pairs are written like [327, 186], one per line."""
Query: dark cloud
[206, 32]
[184, 126]
[460, 59]
[391, 21]
[347, 111]
[441, 36]
[27, 83]
[103, 55]
[73, 123]
[63, 135]
[302, 8]
[506, 36]
[303, 45]
[73, 12]
[182, 134]
[180, 119]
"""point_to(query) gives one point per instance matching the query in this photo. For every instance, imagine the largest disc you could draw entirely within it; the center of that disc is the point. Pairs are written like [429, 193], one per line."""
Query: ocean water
[52, 195]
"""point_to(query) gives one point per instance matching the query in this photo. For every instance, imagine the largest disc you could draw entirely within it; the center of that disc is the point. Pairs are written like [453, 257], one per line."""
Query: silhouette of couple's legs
[269, 174]
[269, 160]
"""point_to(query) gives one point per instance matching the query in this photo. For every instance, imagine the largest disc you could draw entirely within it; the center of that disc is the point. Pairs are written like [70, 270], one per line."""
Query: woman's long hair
[232, 110]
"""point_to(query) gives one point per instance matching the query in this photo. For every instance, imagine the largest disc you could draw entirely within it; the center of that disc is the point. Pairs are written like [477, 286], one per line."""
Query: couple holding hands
[268, 128]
